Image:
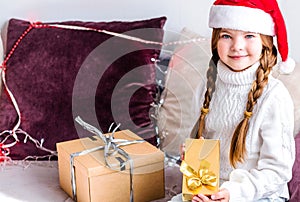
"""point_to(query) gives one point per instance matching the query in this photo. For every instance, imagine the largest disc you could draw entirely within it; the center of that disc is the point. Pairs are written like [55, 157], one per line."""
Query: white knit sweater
[270, 143]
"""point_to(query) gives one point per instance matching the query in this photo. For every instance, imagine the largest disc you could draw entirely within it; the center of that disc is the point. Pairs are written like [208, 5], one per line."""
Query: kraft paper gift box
[200, 167]
[96, 182]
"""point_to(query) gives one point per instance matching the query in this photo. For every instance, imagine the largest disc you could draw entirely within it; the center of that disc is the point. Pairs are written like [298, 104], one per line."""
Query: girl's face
[238, 49]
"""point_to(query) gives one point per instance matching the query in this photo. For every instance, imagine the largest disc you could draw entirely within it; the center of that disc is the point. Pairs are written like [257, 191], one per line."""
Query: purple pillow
[294, 187]
[57, 74]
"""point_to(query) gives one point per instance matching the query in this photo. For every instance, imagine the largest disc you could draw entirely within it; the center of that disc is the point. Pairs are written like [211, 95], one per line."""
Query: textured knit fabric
[269, 143]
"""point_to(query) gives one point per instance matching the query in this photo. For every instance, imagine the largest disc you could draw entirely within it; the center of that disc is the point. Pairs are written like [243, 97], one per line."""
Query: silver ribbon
[111, 147]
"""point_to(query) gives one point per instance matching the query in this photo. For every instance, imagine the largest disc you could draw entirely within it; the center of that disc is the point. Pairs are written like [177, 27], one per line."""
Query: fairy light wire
[36, 25]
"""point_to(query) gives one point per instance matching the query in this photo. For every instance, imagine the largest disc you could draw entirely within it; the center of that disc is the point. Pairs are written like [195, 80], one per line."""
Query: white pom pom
[287, 66]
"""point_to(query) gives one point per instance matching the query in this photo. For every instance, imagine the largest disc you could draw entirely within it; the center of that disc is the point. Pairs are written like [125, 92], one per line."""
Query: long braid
[210, 85]
[267, 61]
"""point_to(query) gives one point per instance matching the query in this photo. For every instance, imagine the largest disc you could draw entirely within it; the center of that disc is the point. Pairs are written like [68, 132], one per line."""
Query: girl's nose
[238, 44]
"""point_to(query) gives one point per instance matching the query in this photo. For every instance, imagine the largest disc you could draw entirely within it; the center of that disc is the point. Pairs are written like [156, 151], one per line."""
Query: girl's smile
[237, 56]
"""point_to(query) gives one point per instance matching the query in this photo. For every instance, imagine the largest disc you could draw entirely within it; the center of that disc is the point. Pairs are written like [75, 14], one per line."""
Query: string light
[5, 147]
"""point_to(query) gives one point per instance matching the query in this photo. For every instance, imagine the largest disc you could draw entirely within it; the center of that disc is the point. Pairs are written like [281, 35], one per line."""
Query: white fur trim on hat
[241, 18]
[287, 67]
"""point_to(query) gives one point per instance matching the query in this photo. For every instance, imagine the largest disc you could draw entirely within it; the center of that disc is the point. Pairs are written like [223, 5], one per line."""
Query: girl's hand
[182, 151]
[222, 196]
[200, 198]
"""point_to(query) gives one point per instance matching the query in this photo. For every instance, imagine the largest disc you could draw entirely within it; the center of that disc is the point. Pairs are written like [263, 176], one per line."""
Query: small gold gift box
[200, 167]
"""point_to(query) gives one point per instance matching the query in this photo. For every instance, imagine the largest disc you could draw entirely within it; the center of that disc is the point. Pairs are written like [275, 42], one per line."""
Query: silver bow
[111, 148]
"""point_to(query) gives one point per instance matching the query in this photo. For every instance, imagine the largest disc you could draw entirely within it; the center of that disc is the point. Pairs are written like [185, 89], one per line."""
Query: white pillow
[184, 83]
[292, 84]
[3, 34]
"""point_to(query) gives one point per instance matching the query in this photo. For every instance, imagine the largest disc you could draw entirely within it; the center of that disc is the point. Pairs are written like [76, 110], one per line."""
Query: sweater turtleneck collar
[244, 77]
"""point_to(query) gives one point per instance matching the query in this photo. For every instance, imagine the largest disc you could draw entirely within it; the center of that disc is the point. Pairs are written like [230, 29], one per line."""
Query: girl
[250, 111]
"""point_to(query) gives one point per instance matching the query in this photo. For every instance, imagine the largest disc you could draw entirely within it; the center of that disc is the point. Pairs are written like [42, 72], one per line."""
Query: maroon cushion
[57, 74]
[294, 184]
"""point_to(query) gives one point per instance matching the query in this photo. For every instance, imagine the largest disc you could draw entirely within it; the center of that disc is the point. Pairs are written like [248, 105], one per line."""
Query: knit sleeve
[269, 177]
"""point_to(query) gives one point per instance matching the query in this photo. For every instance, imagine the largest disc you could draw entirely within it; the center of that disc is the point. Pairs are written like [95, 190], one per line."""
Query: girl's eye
[225, 36]
[249, 36]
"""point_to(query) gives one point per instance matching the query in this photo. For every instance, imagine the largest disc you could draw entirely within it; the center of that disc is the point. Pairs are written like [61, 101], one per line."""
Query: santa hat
[259, 16]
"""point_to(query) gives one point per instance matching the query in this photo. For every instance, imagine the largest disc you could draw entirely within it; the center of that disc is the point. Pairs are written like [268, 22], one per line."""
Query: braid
[211, 76]
[238, 142]
[211, 79]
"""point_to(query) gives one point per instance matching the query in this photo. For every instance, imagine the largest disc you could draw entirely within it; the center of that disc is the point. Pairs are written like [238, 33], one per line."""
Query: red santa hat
[259, 16]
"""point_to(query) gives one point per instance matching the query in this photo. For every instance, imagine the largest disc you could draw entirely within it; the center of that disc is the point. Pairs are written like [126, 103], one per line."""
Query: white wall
[179, 12]
[291, 12]
[190, 13]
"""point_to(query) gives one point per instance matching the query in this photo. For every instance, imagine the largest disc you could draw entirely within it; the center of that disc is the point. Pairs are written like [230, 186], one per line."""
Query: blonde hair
[267, 60]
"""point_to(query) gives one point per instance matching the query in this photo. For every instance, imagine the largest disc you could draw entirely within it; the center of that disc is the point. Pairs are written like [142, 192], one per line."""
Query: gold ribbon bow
[195, 179]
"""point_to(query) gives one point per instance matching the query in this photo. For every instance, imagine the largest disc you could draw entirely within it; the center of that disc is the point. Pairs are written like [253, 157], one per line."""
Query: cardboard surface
[96, 182]
[199, 153]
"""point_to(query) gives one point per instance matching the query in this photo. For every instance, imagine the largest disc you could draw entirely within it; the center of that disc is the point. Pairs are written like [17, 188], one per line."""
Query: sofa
[54, 70]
